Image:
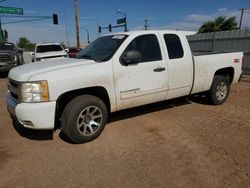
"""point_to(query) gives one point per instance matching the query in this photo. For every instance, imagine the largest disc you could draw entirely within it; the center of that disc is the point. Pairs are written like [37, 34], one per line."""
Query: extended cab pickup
[116, 72]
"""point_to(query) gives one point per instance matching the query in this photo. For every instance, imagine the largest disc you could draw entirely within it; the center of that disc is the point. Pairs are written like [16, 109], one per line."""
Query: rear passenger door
[180, 65]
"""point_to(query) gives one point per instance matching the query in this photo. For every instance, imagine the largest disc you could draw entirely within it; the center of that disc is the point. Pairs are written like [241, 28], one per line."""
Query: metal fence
[225, 41]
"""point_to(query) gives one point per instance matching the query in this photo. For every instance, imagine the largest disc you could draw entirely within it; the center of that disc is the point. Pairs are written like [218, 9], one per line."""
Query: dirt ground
[178, 143]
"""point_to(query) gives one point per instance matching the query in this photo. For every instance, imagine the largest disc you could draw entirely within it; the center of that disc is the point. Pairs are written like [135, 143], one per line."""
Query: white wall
[27, 57]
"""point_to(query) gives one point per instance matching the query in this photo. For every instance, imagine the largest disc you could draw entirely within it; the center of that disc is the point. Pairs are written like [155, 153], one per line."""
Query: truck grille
[14, 89]
[4, 58]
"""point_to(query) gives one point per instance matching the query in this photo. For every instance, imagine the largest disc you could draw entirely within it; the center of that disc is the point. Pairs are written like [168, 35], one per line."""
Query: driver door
[142, 82]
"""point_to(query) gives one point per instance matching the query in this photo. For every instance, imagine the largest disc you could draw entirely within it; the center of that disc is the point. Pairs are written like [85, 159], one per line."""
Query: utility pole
[241, 15]
[146, 26]
[87, 33]
[77, 26]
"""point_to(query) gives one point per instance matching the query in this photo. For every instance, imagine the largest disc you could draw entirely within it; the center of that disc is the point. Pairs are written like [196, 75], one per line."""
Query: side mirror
[32, 54]
[131, 57]
[66, 50]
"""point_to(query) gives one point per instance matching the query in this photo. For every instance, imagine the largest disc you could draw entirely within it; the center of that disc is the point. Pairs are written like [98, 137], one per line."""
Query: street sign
[11, 10]
[121, 21]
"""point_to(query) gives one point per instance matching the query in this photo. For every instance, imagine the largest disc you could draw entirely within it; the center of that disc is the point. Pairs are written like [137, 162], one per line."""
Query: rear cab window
[174, 46]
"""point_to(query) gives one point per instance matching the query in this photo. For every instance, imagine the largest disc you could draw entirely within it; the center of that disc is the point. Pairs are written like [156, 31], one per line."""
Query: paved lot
[171, 144]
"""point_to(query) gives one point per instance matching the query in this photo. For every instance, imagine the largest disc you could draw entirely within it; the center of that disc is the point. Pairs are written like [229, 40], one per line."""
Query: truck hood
[25, 72]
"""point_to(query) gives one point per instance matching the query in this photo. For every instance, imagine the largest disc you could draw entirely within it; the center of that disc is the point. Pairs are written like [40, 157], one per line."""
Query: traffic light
[6, 35]
[110, 28]
[55, 19]
[100, 29]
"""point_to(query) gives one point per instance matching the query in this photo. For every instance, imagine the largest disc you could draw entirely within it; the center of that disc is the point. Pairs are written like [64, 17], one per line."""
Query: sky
[161, 14]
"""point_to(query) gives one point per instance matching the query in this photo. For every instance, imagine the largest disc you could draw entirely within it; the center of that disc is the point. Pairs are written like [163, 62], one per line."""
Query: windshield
[103, 48]
[48, 48]
[7, 46]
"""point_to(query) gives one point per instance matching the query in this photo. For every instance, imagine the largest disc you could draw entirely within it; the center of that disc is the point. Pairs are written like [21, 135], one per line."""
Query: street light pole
[146, 24]
[87, 33]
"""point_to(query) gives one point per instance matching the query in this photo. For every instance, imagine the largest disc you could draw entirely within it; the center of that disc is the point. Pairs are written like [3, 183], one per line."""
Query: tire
[219, 90]
[84, 118]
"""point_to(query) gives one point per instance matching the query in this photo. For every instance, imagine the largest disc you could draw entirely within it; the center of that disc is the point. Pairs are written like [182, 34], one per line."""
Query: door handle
[159, 69]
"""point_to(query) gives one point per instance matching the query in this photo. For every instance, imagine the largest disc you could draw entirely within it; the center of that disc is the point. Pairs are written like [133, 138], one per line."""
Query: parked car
[10, 56]
[44, 51]
[116, 72]
[73, 51]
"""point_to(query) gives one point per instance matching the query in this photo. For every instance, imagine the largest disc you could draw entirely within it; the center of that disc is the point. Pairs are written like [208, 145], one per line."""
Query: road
[178, 143]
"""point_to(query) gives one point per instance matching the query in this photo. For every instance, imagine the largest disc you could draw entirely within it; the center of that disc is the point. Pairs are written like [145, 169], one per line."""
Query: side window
[148, 46]
[174, 46]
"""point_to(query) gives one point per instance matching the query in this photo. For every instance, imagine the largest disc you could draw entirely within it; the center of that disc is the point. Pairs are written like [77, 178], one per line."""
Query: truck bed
[206, 65]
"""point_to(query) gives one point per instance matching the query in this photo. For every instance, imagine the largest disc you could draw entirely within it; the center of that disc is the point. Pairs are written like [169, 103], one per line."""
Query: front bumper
[32, 115]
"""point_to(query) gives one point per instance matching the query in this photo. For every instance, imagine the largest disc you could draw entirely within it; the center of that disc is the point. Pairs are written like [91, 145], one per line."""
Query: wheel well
[65, 98]
[227, 72]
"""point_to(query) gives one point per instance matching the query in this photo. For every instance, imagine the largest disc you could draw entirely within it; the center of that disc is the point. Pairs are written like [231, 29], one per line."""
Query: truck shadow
[142, 110]
[145, 109]
[33, 134]
[150, 108]
[200, 99]
[138, 111]
[117, 116]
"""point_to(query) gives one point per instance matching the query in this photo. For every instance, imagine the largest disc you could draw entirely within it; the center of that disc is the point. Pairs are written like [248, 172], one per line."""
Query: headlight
[35, 92]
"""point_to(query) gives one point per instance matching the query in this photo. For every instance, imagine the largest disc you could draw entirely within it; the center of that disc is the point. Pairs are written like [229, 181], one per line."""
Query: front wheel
[84, 118]
[219, 90]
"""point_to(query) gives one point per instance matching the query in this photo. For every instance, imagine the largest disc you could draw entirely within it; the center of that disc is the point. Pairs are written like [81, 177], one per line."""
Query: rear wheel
[84, 118]
[219, 90]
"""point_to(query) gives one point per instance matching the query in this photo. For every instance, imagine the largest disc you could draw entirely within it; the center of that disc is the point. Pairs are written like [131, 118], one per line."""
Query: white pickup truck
[116, 72]
[47, 51]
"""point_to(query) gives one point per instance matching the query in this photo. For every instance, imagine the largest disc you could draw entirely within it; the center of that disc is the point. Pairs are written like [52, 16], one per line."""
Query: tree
[219, 24]
[25, 44]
